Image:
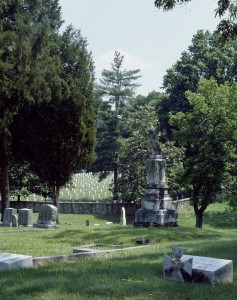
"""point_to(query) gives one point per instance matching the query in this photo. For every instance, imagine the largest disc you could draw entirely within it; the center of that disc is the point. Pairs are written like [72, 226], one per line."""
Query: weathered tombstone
[211, 270]
[47, 216]
[87, 222]
[11, 261]
[14, 221]
[25, 217]
[7, 218]
[197, 268]
[123, 217]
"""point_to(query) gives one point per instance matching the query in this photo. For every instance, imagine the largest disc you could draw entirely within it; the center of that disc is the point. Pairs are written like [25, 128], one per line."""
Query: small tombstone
[123, 217]
[14, 221]
[7, 218]
[11, 261]
[47, 216]
[87, 222]
[25, 217]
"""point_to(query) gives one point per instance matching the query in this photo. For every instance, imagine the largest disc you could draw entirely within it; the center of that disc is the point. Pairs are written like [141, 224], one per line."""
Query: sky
[149, 39]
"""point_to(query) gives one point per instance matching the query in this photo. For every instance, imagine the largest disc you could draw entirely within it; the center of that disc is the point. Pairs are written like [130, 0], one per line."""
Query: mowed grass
[130, 274]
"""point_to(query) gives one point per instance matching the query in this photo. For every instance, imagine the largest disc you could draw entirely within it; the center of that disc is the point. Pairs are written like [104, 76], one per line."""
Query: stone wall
[103, 208]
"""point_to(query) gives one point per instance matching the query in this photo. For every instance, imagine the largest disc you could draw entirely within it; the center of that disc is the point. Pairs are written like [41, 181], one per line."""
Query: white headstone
[123, 220]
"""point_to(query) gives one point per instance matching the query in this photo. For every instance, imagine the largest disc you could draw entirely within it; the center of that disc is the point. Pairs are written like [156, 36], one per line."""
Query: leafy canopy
[226, 10]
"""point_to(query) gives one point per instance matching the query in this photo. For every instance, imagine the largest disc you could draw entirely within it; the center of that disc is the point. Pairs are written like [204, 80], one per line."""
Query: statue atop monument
[155, 146]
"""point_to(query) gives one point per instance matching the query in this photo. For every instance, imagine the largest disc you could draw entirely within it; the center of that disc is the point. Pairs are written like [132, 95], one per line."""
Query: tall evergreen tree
[116, 87]
[26, 28]
[61, 139]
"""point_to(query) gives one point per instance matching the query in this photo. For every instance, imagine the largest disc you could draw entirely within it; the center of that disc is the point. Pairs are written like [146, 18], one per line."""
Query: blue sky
[150, 40]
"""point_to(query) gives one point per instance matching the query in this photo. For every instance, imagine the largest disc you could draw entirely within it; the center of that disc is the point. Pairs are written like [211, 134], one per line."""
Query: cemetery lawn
[129, 274]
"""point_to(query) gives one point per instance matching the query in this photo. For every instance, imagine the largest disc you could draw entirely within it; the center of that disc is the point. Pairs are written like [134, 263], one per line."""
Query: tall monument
[156, 205]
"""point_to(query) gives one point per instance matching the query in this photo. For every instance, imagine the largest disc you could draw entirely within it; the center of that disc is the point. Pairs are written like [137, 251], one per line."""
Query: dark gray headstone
[7, 218]
[47, 216]
[25, 217]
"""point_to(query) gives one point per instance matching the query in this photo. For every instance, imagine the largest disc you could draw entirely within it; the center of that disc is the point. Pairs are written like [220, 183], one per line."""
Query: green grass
[133, 274]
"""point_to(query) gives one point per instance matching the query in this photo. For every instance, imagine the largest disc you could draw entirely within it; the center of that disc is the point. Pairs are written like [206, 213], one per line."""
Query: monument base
[46, 226]
[161, 217]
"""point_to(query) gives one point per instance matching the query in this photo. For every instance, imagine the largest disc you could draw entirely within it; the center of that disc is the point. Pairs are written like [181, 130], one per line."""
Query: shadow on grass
[128, 235]
[131, 275]
[225, 220]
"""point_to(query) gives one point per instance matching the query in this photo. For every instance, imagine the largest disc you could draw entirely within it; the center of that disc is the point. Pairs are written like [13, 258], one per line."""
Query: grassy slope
[133, 274]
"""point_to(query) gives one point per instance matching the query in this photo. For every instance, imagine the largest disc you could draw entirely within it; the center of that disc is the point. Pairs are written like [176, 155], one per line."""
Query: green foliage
[27, 33]
[118, 85]
[61, 139]
[134, 149]
[207, 58]
[207, 133]
[113, 94]
[226, 10]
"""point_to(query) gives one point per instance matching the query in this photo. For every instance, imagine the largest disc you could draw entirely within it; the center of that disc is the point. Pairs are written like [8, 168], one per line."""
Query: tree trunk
[199, 214]
[115, 193]
[4, 181]
[199, 218]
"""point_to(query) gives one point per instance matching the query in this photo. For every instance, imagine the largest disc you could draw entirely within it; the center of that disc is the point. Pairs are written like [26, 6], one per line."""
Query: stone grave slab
[211, 270]
[12, 261]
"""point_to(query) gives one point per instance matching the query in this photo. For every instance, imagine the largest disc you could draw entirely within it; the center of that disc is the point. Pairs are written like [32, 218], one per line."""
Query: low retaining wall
[92, 207]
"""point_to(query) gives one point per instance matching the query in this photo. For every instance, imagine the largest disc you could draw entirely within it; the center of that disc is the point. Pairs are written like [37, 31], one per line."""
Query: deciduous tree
[208, 132]
[205, 58]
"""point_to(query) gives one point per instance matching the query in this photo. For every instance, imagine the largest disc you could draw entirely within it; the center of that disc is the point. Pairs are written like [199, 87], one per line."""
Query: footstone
[12, 261]
[211, 270]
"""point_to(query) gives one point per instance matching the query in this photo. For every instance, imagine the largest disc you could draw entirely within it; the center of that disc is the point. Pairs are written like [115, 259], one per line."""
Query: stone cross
[173, 269]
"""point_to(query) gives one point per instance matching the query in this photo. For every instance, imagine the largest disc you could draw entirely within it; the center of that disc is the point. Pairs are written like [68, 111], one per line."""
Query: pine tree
[26, 30]
[116, 87]
[61, 139]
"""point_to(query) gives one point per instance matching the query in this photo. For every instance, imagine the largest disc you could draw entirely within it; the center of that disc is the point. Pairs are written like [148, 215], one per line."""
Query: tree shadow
[225, 220]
